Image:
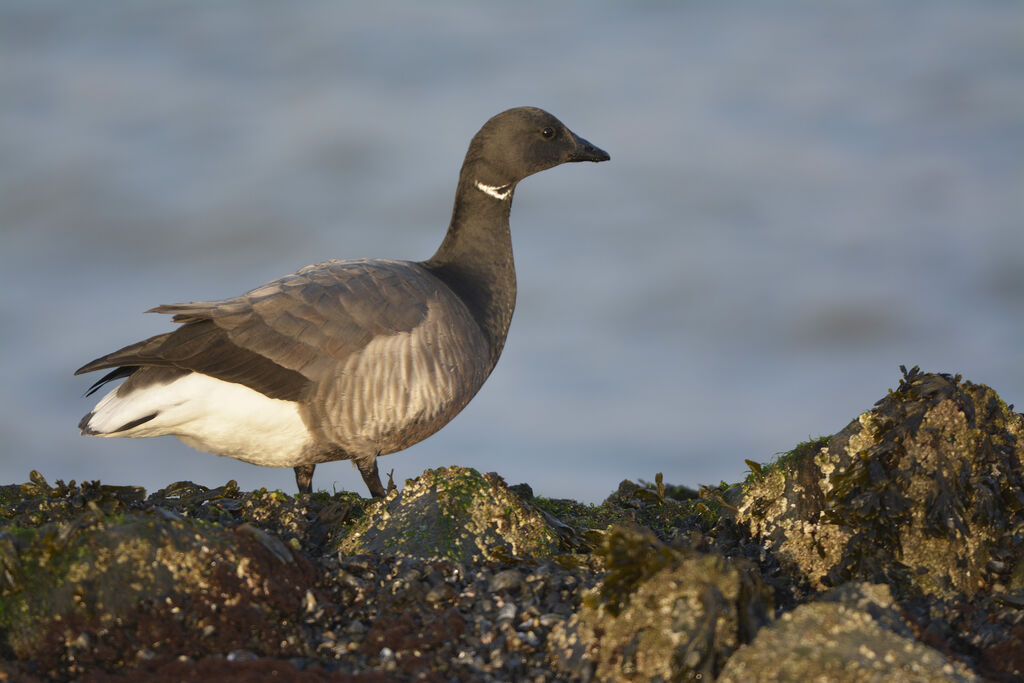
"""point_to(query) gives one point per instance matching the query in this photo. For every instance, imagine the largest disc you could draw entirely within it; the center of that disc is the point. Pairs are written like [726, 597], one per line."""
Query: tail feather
[87, 429]
[212, 415]
[116, 373]
[139, 353]
[141, 398]
[135, 423]
[203, 347]
[83, 425]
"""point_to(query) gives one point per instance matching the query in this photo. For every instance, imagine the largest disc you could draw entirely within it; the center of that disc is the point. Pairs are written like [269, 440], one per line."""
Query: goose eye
[548, 132]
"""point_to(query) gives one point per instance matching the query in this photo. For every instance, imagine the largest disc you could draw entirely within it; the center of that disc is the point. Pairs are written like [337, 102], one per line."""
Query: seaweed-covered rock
[454, 513]
[853, 633]
[111, 591]
[661, 613]
[309, 522]
[924, 492]
[458, 577]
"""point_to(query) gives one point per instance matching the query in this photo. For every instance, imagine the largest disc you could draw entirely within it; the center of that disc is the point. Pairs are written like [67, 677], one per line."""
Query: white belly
[211, 415]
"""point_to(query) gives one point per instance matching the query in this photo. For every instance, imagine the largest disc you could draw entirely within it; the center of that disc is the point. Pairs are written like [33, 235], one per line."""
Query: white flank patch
[500, 192]
[218, 417]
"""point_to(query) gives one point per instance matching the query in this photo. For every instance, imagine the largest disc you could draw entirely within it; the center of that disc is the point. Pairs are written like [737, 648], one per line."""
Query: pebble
[507, 613]
[487, 623]
[441, 593]
[508, 580]
[550, 619]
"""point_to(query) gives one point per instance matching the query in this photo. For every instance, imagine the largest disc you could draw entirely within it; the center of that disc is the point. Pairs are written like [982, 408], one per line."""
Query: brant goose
[344, 360]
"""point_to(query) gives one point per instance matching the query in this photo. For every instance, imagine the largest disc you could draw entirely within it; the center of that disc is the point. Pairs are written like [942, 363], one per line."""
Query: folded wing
[291, 333]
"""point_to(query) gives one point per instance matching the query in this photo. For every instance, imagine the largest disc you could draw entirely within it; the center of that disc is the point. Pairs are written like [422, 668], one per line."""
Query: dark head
[522, 141]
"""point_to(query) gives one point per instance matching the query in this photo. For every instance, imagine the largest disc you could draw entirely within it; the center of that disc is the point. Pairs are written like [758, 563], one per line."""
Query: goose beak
[587, 152]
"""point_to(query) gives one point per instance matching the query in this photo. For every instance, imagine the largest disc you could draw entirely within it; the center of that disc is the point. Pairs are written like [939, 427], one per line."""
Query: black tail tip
[83, 425]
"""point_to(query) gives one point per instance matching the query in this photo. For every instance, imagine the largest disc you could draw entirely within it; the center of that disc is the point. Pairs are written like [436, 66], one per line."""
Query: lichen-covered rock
[925, 492]
[454, 513]
[661, 613]
[98, 591]
[853, 633]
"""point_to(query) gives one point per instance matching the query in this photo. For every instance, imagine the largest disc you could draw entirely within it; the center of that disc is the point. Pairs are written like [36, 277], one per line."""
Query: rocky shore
[890, 551]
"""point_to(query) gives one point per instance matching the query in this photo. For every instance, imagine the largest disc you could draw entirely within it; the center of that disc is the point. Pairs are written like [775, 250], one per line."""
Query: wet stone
[507, 580]
[507, 613]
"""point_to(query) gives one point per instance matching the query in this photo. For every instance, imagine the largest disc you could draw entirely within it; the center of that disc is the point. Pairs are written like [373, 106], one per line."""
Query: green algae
[585, 516]
[782, 462]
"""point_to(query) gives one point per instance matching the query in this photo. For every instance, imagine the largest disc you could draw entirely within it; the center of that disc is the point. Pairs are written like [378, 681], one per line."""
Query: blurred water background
[802, 196]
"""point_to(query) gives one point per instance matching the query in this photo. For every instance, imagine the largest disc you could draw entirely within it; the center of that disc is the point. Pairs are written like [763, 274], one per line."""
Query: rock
[453, 513]
[925, 492]
[661, 613]
[891, 550]
[99, 592]
[507, 580]
[853, 633]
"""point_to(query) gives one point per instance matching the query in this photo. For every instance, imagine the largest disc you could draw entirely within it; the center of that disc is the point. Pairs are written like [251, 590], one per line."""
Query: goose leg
[368, 468]
[304, 478]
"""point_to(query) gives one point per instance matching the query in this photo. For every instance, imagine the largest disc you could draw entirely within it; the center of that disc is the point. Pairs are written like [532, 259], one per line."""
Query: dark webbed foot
[368, 468]
[304, 478]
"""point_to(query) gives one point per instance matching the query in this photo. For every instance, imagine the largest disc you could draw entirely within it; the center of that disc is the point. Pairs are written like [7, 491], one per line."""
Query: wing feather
[290, 333]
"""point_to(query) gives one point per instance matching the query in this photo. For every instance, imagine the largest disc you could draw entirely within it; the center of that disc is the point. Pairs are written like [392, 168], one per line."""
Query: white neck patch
[499, 192]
